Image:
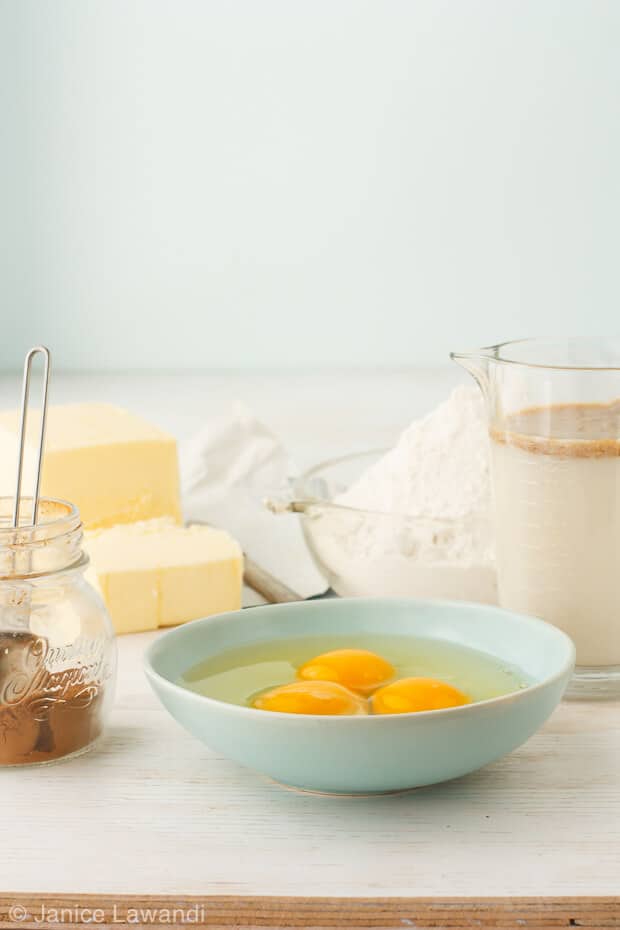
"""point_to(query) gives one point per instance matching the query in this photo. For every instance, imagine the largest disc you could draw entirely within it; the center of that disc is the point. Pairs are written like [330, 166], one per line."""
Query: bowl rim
[332, 720]
[420, 519]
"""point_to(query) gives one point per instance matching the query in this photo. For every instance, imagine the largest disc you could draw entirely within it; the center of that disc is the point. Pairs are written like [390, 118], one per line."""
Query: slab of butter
[156, 573]
[115, 466]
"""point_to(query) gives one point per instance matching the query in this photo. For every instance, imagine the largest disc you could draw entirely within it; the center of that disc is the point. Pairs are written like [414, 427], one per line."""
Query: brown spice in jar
[43, 715]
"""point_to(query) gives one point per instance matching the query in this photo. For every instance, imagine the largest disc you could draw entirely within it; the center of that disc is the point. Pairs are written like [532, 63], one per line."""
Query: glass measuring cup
[554, 426]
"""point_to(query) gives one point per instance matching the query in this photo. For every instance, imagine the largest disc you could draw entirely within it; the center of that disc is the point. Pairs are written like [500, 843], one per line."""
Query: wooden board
[69, 911]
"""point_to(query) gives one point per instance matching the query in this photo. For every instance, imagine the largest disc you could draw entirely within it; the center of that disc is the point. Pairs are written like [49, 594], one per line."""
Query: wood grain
[74, 911]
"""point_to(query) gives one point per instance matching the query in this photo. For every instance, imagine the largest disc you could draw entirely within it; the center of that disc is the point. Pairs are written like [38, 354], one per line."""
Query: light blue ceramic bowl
[376, 753]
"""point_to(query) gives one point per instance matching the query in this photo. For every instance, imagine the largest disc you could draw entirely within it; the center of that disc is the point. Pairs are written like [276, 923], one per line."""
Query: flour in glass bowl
[435, 484]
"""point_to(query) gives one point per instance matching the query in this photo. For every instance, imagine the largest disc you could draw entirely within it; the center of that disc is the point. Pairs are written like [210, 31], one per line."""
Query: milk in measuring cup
[556, 473]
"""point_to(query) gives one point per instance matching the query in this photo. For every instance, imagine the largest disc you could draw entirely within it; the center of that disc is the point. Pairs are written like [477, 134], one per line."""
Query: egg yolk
[311, 697]
[357, 669]
[415, 694]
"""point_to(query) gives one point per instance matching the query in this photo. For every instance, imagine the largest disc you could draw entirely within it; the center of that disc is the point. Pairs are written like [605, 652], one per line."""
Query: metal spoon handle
[264, 583]
[22, 433]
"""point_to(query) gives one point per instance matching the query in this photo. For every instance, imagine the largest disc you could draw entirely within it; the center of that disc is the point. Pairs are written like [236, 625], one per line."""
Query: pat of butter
[113, 465]
[156, 573]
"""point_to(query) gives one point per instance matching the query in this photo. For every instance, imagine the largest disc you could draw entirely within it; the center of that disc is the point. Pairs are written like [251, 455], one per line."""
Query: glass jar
[57, 646]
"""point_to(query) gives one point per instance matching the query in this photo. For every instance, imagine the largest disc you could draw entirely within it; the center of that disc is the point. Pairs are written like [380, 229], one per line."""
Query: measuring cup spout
[476, 362]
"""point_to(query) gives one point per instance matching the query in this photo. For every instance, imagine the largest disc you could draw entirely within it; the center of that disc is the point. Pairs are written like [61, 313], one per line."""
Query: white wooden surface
[151, 810]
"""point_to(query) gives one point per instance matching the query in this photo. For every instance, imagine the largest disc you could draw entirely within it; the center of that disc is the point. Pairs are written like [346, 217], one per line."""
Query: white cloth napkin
[227, 471]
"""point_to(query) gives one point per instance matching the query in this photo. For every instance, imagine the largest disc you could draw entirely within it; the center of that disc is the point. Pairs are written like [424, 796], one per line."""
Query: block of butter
[115, 466]
[156, 573]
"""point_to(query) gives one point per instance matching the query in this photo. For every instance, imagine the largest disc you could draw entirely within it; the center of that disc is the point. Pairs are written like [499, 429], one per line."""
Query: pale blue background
[285, 183]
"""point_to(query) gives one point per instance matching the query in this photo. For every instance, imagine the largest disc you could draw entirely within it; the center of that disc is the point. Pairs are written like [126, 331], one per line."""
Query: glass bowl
[365, 553]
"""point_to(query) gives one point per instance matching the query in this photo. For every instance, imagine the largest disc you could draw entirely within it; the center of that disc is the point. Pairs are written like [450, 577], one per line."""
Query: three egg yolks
[340, 683]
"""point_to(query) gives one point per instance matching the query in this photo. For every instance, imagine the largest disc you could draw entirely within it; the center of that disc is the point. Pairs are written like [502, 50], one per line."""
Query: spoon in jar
[19, 608]
[22, 433]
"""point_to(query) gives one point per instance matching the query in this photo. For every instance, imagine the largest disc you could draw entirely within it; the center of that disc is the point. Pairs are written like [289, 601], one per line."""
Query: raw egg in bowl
[357, 696]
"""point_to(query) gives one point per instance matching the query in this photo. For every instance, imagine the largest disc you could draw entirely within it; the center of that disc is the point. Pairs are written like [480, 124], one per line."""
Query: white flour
[438, 471]
[439, 468]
